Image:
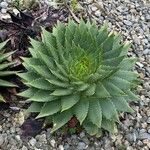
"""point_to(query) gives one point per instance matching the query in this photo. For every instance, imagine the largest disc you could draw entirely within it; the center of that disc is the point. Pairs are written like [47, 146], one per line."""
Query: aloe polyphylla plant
[79, 70]
[4, 64]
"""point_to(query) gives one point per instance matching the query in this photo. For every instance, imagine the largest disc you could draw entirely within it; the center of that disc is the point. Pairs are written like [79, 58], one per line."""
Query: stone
[3, 11]
[41, 138]
[143, 136]
[81, 146]
[82, 134]
[24, 148]
[60, 147]
[4, 5]
[132, 137]
[148, 120]
[127, 22]
[1, 139]
[147, 17]
[17, 137]
[53, 142]
[140, 64]
[1, 128]
[32, 142]
[66, 146]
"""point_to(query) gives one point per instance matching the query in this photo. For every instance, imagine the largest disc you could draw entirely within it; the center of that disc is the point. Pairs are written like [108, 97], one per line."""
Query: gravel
[132, 19]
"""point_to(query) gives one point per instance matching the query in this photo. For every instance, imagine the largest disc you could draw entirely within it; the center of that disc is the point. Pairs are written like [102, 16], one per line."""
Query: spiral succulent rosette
[83, 71]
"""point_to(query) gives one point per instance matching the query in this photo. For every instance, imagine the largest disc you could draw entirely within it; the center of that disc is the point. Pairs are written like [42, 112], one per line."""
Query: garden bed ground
[132, 19]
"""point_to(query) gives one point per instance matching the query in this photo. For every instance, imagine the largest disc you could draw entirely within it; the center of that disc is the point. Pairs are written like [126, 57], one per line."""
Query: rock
[147, 86]
[132, 137]
[81, 146]
[32, 142]
[24, 148]
[143, 136]
[148, 120]
[82, 134]
[3, 11]
[60, 147]
[66, 147]
[1, 128]
[4, 5]
[1, 139]
[12, 130]
[140, 64]
[38, 145]
[41, 138]
[127, 22]
[53, 142]
[17, 137]
[147, 17]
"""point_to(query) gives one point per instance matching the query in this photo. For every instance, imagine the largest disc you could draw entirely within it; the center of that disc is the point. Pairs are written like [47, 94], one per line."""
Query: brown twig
[73, 15]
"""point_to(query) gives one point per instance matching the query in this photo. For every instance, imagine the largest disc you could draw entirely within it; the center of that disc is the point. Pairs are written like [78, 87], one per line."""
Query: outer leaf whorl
[79, 70]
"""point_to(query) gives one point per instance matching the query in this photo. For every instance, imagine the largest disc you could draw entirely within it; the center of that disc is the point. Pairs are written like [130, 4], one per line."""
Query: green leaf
[126, 75]
[101, 91]
[91, 90]
[28, 93]
[117, 41]
[102, 35]
[69, 101]
[90, 128]
[3, 44]
[125, 49]
[131, 96]
[83, 87]
[108, 109]
[58, 83]
[49, 39]
[127, 63]
[62, 69]
[70, 30]
[81, 110]
[5, 65]
[113, 61]
[95, 113]
[109, 125]
[47, 60]
[1, 98]
[5, 56]
[113, 53]
[28, 76]
[59, 32]
[119, 82]
[108, 43]
[4, 83]
[42, 96]
[38, 46]
[61, 119]
[58, 75]
[42, 70]
[49, 108]
[121, 104]
[112, 89]
[35, 107]
[6, 73]
[32, 61]
[106, 71]
[62, 92]
[40, 84]
[32, 52]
